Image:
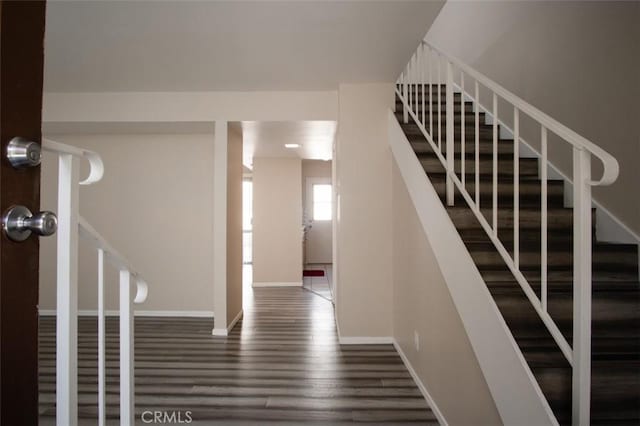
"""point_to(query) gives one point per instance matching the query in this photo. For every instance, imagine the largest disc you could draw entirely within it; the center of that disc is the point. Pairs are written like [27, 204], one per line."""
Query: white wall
[363, 212]
[422, 304]
[154, 205]
[578, 61]
[318, 242]
[235, 170]
[168, 107]
[277, 221]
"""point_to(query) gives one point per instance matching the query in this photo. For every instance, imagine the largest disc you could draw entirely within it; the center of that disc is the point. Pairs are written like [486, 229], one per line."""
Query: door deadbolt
[18, 223]
[23, 153]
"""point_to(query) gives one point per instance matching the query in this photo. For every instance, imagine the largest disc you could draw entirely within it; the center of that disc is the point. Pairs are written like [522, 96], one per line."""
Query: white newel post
[67, 292]
[581, 403]
[449, 123]
[127, 388]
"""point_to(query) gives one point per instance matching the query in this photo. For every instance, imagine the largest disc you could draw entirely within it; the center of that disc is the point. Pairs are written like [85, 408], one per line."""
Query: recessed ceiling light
[292, 145]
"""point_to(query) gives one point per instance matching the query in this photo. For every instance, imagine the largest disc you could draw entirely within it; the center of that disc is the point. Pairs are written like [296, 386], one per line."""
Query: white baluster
[430, 94]
[581, 287]
[495, 165]
[422, 79]
[405, 108]
[411, 82]
[477, 144]
[450, 144]
[516, 187]
[101, 341]
[462, 135]
[127, 390]
[543, 219]
[396, 88]
[67, 292]
[417, 81]
[439, 103]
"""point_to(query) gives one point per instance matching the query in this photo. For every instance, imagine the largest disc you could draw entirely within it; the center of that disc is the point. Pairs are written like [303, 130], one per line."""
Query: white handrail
[611, 166]
[95, 161]
[428, 57]
[117, 260]
[70, 227]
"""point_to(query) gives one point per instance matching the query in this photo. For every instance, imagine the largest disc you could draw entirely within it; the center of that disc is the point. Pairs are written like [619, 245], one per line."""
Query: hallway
[322, 285]
[281, 363]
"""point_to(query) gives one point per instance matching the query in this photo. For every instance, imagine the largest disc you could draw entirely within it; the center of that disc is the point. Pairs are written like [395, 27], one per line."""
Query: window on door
[321, 201]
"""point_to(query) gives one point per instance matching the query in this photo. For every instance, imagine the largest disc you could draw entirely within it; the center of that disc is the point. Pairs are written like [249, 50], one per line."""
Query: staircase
[615, 344]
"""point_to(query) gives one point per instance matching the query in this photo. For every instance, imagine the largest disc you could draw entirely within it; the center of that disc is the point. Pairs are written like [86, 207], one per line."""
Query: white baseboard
[383, 340]
[223, 332]
[138, 313]
[277, 284]
[421, 386]
[361, 340]
[365, 340]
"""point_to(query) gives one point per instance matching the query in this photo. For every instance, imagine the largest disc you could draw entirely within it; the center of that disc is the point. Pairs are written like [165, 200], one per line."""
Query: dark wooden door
[21, 70]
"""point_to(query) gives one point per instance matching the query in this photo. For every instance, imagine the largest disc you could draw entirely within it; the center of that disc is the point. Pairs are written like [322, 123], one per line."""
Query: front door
[21, 70]
[318, 211]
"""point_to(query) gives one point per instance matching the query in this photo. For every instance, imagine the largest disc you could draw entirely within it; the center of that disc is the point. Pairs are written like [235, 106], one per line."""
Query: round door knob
[23, 153]
[43, 223]
[18, 223]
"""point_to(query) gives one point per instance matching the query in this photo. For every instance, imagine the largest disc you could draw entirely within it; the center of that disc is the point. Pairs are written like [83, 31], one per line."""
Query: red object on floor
[313, 273]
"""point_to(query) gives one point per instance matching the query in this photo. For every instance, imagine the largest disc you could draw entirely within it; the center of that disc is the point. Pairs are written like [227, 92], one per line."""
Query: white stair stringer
[514, 389]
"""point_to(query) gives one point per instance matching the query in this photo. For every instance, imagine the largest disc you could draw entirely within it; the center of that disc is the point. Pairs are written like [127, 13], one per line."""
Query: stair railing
[425, 67]
[70, 226]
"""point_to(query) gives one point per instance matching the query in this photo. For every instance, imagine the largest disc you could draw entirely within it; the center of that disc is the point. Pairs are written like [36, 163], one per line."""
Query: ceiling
[104, 46]
[267, 139]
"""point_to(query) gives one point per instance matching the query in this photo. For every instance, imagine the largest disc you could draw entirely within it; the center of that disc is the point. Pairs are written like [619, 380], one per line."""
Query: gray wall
[363, 211]
[277, 220]
[444, 360]
[388, 283]
[235, 170]
[139, 207]
[577, 61]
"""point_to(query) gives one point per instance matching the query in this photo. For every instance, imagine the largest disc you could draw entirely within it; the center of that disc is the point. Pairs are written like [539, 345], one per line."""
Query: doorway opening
[287, 228]
[318, 227]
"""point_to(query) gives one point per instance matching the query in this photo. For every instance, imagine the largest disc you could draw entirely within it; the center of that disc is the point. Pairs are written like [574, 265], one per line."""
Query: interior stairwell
[615, 374]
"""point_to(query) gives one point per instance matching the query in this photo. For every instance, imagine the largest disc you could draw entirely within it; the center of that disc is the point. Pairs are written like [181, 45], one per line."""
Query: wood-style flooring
[281, 364]
[321, 286]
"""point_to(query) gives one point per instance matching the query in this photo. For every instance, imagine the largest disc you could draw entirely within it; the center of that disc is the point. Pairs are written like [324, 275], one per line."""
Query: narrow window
[247, 222]
[321, 202]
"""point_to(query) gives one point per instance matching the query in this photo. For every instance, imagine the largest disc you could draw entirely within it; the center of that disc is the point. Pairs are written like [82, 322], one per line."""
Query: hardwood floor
[281, 363]
[319, 285]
